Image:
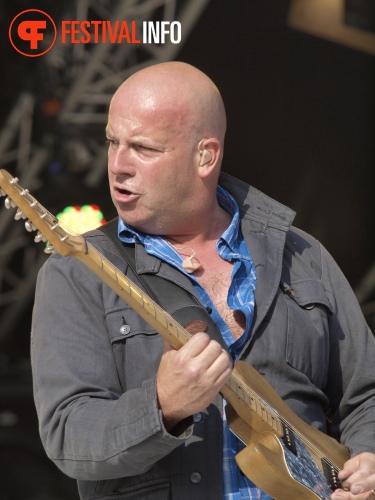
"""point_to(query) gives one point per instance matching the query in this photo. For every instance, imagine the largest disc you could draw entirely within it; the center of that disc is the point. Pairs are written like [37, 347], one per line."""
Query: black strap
[127, 251]
[178, 302]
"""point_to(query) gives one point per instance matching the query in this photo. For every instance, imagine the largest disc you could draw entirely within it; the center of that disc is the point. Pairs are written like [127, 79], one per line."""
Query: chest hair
[216, 282]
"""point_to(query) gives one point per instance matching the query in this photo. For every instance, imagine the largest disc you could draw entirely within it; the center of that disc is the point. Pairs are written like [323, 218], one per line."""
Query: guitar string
[290, 428]
[31, 200]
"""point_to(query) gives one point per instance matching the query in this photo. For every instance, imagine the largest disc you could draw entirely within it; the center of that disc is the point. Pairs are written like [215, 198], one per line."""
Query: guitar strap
[184, 307]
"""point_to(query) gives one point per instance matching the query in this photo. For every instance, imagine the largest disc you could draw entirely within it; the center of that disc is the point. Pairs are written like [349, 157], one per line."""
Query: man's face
[150, 164]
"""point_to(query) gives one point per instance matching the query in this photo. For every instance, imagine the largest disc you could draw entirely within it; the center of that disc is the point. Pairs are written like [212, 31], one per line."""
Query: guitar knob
[29, 226]
[49, 249]
[19, 214]
[9, 203]
[39, 237]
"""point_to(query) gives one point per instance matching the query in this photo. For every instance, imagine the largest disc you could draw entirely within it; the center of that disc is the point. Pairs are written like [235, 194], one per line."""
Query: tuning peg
[9, 203]
[29, 226]
[49, 249]
[39, 237]
[2, 192]
[19, 214]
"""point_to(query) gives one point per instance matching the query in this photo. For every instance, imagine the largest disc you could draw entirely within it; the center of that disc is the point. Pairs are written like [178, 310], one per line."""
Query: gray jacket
[94, 381]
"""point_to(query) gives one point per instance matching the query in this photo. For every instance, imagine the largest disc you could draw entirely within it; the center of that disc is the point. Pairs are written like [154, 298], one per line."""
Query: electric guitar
[284, 456]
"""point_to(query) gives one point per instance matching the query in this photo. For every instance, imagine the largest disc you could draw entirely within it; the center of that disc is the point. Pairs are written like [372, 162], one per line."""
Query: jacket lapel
[264, 225]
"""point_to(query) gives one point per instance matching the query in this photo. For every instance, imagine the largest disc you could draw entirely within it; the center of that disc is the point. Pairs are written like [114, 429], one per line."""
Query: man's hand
[358, 477]
[189, 379]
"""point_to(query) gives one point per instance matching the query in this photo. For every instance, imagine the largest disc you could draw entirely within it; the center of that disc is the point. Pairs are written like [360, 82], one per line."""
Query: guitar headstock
[37, 218]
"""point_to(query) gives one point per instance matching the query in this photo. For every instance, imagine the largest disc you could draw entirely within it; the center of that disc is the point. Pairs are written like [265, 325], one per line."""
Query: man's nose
[120, 161]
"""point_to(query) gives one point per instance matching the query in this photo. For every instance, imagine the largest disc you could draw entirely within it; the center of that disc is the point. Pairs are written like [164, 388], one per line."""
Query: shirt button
[209, 310]
[195, 477]
[125, 329]
[197, 418]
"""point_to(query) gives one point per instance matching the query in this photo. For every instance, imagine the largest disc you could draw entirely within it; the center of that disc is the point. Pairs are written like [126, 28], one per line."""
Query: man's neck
[207, 230]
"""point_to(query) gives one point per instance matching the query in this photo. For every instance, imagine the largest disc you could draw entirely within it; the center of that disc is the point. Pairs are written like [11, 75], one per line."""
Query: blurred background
[297, 77]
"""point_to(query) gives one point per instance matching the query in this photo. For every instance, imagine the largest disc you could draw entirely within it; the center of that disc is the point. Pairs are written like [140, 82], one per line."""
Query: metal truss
[103, 68]
[19, 259]
[83, 78]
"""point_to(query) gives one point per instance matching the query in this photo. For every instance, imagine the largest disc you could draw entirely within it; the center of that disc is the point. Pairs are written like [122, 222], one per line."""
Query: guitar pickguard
[304, 470]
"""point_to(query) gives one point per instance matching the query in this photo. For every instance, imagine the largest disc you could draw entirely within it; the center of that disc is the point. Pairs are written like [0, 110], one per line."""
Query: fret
[153, 309]
[148, 306]
[257, 404]
[161, 317]
[182, 333]
[263, 412]
[137, 295]
[250, 400]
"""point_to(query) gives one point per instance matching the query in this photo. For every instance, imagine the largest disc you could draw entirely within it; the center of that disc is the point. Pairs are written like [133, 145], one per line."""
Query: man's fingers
[193, 347]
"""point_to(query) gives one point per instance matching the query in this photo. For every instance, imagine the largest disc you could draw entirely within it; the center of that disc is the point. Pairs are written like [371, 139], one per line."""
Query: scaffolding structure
[83, 78]
[77, 82]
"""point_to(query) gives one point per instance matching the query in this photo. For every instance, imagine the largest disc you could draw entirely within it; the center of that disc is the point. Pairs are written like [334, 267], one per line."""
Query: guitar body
[267, 455]
[284, 456]
[276, 462]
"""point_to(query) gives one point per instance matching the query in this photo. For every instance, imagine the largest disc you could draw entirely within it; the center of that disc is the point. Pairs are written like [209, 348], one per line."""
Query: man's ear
[209, 155]
[205, 157]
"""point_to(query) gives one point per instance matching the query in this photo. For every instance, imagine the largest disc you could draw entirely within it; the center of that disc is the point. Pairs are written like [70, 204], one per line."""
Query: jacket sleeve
[351, 380]
[89, 426]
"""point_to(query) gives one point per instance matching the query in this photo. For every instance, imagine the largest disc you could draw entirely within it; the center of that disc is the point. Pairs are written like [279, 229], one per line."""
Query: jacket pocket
[307, 346]
[136, 346]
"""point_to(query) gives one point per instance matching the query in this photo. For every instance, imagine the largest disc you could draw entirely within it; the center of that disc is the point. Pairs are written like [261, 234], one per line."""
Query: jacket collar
[264, 224]
[255, 205]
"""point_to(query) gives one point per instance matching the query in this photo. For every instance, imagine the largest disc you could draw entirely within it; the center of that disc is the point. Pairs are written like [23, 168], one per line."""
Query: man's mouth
[123, 195]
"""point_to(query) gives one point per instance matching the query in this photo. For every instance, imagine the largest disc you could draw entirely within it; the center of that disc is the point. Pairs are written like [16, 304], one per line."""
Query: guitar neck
[69, 244]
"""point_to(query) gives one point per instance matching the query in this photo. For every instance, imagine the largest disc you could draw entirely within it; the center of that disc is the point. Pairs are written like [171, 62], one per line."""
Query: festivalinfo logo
[33, 32]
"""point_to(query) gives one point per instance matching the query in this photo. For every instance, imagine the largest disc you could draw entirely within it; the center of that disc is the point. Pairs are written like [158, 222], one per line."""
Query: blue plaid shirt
[230, 246]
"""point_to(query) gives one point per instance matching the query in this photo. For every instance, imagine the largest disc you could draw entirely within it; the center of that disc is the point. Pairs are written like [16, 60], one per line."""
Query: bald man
[122, 411]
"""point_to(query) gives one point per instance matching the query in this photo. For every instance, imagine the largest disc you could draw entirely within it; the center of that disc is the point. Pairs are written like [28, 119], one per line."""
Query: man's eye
[111, 142]
[147, 149]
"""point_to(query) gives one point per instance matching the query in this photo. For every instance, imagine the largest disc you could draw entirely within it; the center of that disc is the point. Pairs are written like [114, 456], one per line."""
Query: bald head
[180, 92]
[166, 128]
